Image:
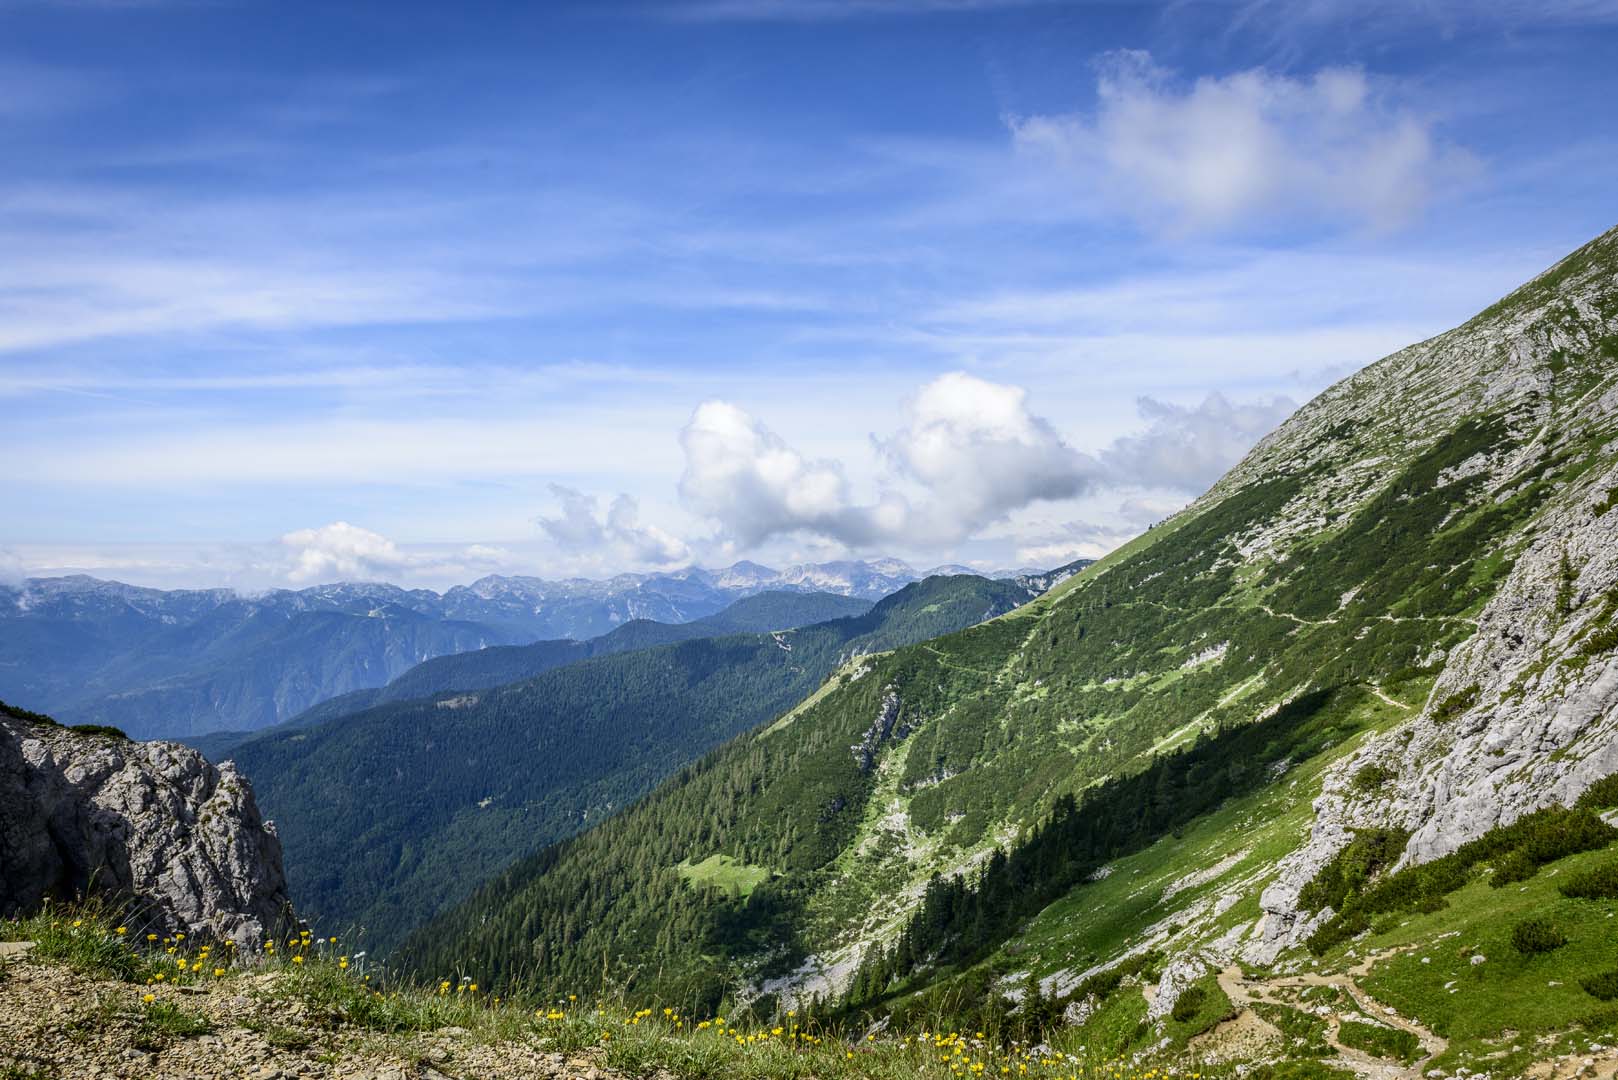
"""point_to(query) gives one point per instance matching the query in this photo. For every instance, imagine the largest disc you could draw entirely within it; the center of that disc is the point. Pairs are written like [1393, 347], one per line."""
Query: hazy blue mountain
[481, 669]
[180, 663]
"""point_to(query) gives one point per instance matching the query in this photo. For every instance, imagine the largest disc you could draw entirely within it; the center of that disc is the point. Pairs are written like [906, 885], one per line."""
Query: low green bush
[1188, 1003]
[1600, 882]
[1516, 866]
[1601, 795]
[1603, 986]
[1536, 935]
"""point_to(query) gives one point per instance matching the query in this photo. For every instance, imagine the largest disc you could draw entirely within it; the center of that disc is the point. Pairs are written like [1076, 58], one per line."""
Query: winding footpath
[1243, 993]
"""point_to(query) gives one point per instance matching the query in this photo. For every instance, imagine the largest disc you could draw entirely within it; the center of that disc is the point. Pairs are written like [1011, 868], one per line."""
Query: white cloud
[343, 551]
[580, 527]
[746, 477]
[980, 453]
[1234, 150]
[1187, 449]
[971, 448]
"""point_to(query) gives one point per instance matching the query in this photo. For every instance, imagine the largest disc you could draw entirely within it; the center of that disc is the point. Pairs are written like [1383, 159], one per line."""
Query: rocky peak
[152, 822]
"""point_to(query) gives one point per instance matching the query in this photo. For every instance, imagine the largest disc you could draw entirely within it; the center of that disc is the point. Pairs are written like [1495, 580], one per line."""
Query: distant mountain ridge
[392, 812]
[167, 663]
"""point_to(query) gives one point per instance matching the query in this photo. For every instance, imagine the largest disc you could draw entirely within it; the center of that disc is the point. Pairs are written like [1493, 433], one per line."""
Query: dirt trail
[1377, 690]
[1243, 993]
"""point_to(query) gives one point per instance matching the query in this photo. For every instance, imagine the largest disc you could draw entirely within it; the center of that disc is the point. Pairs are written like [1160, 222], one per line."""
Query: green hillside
[393, 812]
[1220, 707]
[496, 665]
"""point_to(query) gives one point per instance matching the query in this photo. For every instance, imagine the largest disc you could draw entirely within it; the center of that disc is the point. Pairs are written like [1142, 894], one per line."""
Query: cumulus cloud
[1188, 448]
[745, 476]
[342, 551]
[1231, 150]
[980, 454]
[971, 450]
[580, 526]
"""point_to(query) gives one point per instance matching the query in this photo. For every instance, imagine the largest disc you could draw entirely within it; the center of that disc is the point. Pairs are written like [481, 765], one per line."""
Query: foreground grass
[324, 991]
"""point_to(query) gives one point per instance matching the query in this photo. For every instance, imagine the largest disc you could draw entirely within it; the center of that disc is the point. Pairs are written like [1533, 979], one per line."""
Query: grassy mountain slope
[1313, 597]
[391, 813]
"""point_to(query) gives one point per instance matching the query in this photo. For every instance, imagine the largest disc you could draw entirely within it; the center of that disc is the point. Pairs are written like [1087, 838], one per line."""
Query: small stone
[1478, 958]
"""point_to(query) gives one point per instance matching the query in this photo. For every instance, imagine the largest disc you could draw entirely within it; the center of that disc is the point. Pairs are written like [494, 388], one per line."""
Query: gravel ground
[56, 1024]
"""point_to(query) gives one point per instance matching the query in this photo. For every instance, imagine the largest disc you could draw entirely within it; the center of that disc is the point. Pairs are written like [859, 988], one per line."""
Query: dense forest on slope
[389, 814]
[1353, 559]
[495, 665]
[498, 665]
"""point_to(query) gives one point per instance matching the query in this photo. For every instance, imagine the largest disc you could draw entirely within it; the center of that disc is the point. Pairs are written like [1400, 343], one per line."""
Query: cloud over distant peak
[581, 527]
[1234, 150]
[970, 452]
[342, 551]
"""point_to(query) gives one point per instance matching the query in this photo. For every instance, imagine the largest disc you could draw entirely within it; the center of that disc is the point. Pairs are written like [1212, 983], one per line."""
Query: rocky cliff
[154, 823]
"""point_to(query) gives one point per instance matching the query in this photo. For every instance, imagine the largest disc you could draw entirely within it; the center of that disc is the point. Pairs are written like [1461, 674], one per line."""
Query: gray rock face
[154, 822]
[1524, 714]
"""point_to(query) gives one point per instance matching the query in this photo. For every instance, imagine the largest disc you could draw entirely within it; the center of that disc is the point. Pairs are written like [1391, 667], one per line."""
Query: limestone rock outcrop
[152, 823]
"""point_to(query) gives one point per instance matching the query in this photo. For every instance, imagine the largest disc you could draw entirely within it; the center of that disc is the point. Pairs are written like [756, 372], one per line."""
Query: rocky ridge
[153, 823]
[1522, 716]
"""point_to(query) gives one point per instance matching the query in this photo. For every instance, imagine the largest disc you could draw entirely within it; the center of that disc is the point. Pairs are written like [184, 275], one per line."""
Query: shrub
[1597, 883]
[1349, 884]
[1603, 986]
[1367, 855]
[1516, 866]
[1188, 1004]
[1383, 1042]
[1536, 935]
[1601, 795]
[1456, 704]
[1372, 777]
[99, 729]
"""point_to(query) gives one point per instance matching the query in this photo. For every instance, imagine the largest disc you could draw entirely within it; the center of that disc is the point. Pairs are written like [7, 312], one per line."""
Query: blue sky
[300, 292]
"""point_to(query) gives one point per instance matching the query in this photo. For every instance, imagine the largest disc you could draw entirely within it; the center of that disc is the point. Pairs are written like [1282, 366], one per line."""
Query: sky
[299, 292]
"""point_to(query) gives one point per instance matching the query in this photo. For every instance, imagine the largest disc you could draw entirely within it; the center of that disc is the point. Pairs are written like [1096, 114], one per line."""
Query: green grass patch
[1384, 1042]
[1305, 1033]
[161, 1022]
[86, 938]
[725, 873]
[1459, 973]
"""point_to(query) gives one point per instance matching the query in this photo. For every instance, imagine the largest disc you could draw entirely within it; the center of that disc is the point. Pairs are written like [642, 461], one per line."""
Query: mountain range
[177, 663]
